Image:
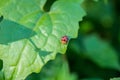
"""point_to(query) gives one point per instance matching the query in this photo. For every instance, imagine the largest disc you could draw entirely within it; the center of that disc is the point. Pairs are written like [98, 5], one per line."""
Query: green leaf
[64, 74]
[27, 54]
[1, 76]
[101, 52]
[57, 69]
[115, 79]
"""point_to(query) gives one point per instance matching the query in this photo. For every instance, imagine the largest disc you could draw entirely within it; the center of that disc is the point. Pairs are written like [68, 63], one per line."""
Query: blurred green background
[95, 53]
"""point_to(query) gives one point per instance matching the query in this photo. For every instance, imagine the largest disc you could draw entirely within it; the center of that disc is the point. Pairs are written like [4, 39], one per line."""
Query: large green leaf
[101, 52]
[27, 54]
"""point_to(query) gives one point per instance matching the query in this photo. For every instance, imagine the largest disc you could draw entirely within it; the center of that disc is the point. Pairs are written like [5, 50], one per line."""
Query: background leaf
[57, 69]
[115, 79]
[101, 52]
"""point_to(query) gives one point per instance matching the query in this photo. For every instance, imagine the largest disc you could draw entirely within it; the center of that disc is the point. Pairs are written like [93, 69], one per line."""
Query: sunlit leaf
[28, 53]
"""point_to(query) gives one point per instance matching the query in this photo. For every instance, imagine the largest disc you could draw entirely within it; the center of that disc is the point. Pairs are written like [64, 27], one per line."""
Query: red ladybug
[64, 40]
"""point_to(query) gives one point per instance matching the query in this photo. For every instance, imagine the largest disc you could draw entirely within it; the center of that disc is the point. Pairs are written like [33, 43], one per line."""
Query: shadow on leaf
[11, 31]
[42, 53]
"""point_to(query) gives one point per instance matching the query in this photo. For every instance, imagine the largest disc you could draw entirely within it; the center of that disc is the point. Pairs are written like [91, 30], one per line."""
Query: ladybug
[64, 40]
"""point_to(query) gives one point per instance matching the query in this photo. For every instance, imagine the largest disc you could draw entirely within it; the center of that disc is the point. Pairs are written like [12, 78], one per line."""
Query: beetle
[64, 40]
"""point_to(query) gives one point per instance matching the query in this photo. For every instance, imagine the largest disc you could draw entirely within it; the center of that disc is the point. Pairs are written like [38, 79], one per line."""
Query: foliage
[54, 70]
[30, 37]
[31, 32]
[96, 51]
[115, 79]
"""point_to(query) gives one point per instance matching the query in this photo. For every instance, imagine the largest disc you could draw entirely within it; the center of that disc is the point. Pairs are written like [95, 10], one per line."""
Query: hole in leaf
[48, 5]
[1, 64]
[1, 18]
